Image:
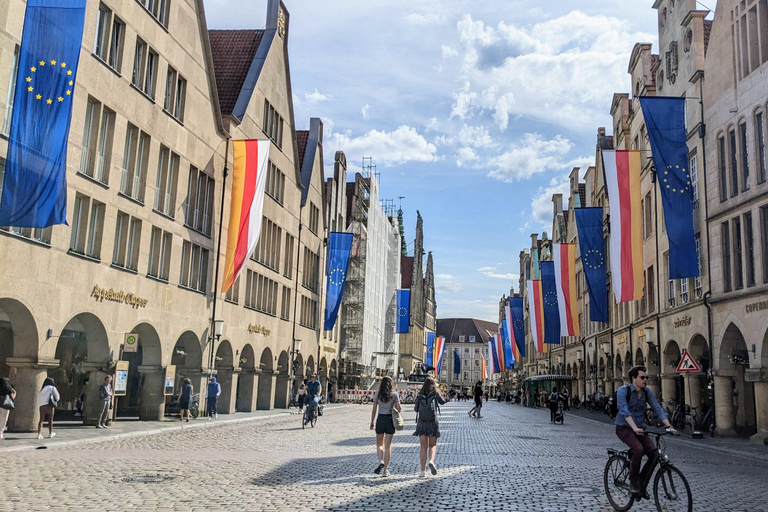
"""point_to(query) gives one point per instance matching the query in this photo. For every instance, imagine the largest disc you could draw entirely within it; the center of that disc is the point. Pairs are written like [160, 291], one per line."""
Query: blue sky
[476, 112]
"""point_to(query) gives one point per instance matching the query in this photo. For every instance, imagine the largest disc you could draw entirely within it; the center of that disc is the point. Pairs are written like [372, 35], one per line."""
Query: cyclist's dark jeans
[639, 445]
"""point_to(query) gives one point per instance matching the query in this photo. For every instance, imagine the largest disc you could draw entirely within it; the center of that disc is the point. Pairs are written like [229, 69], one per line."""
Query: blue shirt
[313, 388]
[630, 404]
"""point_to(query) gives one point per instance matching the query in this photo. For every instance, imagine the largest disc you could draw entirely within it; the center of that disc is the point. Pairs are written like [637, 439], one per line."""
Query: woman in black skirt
[386, 400]
[427, 428]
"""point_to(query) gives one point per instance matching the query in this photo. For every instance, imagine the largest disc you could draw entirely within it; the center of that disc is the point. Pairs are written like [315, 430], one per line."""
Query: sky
[475, 112]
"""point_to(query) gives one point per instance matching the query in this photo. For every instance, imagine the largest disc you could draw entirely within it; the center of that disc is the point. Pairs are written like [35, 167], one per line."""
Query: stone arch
[247, 359]
[282, 381]
[639, 357]
[310, 365]
[764, 352]
[300, 369]
[322, 373]
[671, 356]
[247, 381]
[734, 361]
[18, 332]
[619, 365]
[224, 363]
[146, 376]
[265, 395]
[187, 355]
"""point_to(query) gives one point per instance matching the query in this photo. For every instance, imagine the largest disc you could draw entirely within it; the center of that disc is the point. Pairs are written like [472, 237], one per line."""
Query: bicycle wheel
[577, 404]
[304, 419]
[314, 419]
[671, 491]
[616, 483]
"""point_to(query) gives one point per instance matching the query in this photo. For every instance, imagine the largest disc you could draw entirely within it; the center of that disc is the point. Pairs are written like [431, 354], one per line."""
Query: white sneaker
[433, 468]
[40, 436]
[423, 474]
[386, 473]
[216, 415]
[53, 434]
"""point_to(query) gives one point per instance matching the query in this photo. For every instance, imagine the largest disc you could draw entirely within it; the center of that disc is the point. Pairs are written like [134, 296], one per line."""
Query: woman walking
[386, 400]
[477, 392]
[6, 390]
[185, 398]
[47, 400]
[427, 429]
[302, 393]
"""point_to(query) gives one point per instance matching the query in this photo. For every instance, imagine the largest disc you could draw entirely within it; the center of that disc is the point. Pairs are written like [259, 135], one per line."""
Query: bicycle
[310, 414]
[670, 487]
[575, 403]
[694, 422]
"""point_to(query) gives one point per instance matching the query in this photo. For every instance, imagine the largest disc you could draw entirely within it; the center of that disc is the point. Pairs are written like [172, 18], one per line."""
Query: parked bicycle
[696, 422]
[575, 403]
[670, 487]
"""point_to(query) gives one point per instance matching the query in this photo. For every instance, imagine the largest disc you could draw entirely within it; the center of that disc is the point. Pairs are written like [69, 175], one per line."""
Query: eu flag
[403, 311]
[518, 323]
[509, 357]
[456, 363]
[665, 121]
[430, 349]
[551, 311]
[35, 185]
[589, 226]
[338, 257]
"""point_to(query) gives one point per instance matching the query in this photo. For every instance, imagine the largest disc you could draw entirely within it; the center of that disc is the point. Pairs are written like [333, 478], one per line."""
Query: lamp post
[579, 359]
[650, 339]
[218, 330]
[294, 363]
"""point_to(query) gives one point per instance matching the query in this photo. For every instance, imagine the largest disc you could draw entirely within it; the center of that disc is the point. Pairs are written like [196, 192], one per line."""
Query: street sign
[687, 363]
[131, 343]
[121, 378]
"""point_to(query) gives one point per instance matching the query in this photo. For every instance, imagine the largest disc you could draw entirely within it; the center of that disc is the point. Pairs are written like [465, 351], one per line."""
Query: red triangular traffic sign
[687, 363]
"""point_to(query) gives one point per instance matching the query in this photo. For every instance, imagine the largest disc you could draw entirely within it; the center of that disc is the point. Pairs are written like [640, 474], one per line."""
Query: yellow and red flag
[249, 177]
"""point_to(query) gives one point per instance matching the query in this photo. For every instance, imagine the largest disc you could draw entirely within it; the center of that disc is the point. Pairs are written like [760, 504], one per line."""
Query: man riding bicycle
[313, 390]
[632, 401]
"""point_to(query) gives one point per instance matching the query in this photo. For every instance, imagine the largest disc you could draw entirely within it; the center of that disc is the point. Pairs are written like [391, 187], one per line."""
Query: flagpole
[218, 255]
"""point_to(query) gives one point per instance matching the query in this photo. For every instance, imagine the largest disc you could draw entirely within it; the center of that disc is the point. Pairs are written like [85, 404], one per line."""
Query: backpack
[615, 399]
[427, 407]
[553, 397]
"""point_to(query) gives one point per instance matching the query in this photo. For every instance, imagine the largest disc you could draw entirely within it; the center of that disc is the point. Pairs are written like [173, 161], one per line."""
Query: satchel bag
[397, 419]
[7, 403]
[52, 401]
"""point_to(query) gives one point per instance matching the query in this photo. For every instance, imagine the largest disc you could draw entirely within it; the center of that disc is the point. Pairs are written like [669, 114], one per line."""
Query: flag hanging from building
[516, 354]
[665, 121]
[403, 311]
[589, 225]
[622, 177]
[485, 370]
[439, 351]
[518, 325]
[430, 359]
[506, 342]
[456, 363]
[249, 177]
[564, 256]
[34, 193]
[551, 311]
[536, 313]
[339, 246]
[500, 352]
[495, 367]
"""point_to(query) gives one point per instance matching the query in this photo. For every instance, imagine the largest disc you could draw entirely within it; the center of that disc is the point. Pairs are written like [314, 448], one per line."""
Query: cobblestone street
[511, 459]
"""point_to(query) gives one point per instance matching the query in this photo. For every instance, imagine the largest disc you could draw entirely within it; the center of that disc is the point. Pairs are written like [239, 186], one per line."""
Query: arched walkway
[247, 381]
[187, 357]
[282, 381]
[322, 374]
[671, 383]
[266, 391]
[146, 377]
[736, 408]
[227, 377]
[696, 383]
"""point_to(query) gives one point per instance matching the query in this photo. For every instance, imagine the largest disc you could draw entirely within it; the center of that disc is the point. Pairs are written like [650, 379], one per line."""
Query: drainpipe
[710, 378]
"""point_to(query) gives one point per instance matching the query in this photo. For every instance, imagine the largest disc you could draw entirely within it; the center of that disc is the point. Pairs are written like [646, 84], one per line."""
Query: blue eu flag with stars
[589, 226]
[403, 324]
[339, 247]
[35, 185]
[665, 122]
[518, 323]
[551, 310]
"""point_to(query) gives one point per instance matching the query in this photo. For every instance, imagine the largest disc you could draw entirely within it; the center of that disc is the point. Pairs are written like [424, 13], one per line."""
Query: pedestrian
[427, 429]
[554, 397]
[386, 400]
[527, 397]
[735, 400]
[105, 398]
[6, 392]
[47, 400]
[214, 392]
[566, 396]
[477, 393]
[185, 398]
[301, 394]
[542, 397]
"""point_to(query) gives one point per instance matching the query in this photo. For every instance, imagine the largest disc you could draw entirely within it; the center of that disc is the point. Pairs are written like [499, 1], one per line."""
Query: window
[135, 163]
[477, 362]
[722, 170]
[199, 205]
[649, 289]
[738, 273]
[311, 270]
[308, 312]
[477, 351]
[671, 289]
[170, 89]
[165, 182]
[764, 240]
[151, 74]
[461, 340]
[760, 144]
[285, 304]
[648, 215]
[267, 250]
[725, 247]
[181, 98]
[138, 63]
[87, 227]
[233, 294]
[749, 249]
[471, 339]
[288, 265]
[734, 163]
[466, 350]
[127, 241]
[697, 280]
[116, 45]
[744, 156]
[108, 43]
[98, 133]
[260, 293]
[160, 254]
[683, 291]
[275, 183]
[272, 124]
[145, 68]
[158, 9]
[314, 218]
[194, 267]
[100, 45]
[693, 167]
[11, 95]
[175, 94]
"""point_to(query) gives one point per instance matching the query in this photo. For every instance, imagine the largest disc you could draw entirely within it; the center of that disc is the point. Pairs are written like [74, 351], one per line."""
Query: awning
[537, 378]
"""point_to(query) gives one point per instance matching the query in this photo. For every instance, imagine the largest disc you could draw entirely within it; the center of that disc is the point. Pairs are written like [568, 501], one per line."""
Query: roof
[307, 143]
[452, 328]
[302, 136]
[565, 216]
[707, 32]
[233, 52]
[406, 271]
[583, 194]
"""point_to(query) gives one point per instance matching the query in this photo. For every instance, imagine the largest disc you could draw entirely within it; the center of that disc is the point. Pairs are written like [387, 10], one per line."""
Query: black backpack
[615, 399]
[427, 407]
[554, 397]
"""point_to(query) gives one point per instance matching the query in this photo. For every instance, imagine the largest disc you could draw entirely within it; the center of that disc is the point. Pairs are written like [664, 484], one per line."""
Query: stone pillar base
[724, 420]
[152, 407]
[27, 376]
[248, 384]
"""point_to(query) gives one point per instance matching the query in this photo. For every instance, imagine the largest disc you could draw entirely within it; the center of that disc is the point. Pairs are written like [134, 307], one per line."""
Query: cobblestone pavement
[511, 459]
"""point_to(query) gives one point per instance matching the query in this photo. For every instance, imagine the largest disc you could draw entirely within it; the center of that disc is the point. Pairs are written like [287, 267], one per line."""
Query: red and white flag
[536, 313]
[564, 256]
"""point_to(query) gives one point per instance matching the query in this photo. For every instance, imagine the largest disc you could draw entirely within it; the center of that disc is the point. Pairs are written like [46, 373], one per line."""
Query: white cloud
[449, 52]
[493, 273]
[475, 136]
[541, 204]
[465, 155]
[432, 124]
[532, 155]
[399, 146]
[316, 97]
[446, 283]
[366, 108]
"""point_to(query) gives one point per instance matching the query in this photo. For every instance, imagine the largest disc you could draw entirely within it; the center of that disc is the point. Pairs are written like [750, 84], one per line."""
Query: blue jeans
[212, 401]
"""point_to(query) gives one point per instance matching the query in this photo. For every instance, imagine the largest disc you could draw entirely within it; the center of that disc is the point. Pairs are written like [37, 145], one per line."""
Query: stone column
[282, 391]
[668, 386]
[724, 407]
[653, 385]
[248, 381]
[266, 392]
[27, 376]
[152, 406]
[228, 380]
[693, 391]
[97, 372]
[761, 401]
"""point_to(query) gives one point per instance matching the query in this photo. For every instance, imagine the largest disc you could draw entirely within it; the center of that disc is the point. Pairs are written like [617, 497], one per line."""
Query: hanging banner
[338, 258]
[403, 311]
[589, 225]
[551, 311]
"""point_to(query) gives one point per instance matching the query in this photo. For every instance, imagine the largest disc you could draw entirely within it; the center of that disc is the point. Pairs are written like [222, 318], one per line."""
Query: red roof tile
[232, 52]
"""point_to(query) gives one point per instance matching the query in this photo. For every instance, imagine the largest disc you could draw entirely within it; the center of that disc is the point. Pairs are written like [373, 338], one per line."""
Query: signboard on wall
[131, 342]
[170, 379]
[121, 378]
